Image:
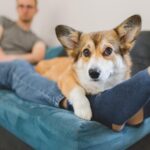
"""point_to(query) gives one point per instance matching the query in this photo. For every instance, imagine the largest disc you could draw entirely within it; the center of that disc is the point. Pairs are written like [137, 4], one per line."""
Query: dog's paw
[80, 103]
[83, 112]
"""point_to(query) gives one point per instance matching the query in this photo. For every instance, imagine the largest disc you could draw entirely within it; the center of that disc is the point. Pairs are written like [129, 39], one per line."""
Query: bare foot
[117, 128]
[137, 118]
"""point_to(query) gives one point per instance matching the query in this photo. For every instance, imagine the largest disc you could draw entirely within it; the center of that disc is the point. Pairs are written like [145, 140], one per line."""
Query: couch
[48, 128]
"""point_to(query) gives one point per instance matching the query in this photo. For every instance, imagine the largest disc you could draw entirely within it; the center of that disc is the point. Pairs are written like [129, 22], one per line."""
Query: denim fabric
[20, 77]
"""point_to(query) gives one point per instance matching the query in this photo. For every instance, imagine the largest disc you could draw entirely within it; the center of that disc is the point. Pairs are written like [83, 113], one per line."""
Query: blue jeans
[21, 77]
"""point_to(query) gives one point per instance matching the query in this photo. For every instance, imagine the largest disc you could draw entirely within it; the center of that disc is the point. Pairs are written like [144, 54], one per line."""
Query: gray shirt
[15, 40]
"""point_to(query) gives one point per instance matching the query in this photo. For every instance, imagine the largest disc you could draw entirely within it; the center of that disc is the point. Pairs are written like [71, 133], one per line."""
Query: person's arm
[1, 34]
[1, 31]
[37, 54]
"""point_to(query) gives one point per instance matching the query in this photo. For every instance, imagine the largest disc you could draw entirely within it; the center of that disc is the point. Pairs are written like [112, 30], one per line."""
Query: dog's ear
[128, 31]
[69, 38]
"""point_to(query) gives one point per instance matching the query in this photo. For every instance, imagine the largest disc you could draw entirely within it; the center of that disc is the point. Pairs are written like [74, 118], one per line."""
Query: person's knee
[20, 63]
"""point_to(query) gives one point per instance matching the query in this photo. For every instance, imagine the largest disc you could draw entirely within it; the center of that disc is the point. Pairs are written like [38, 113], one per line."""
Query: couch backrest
[140, 54]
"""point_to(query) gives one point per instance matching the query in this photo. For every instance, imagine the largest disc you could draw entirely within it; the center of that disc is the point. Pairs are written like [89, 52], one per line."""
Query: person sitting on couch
[17, 41]
[19, 48]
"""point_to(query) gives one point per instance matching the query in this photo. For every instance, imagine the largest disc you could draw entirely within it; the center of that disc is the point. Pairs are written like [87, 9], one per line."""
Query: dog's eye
[108, 51]
[86, 52]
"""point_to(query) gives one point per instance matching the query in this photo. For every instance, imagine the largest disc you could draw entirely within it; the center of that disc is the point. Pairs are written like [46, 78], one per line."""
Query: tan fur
[59, 70]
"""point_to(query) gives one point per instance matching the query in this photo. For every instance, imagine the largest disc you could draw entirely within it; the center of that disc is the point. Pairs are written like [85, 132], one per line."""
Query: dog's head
[97, 54]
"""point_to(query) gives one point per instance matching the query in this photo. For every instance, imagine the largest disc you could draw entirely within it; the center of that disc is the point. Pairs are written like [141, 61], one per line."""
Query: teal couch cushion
[52, 52]
[48, 128]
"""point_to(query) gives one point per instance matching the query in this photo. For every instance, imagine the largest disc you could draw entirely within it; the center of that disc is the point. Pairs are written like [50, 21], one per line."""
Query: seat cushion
[46, 127]
[52, 52]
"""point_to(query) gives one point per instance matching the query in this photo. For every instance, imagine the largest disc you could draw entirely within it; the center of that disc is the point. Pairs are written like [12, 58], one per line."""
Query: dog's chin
[102, 79]
[95, 80]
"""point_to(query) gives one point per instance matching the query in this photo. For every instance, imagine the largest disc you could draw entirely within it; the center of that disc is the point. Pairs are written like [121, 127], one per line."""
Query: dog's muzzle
[94, 73]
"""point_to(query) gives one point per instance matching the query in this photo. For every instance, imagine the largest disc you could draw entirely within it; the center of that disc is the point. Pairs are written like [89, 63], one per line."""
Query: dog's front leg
[80, 103]
[76, 96]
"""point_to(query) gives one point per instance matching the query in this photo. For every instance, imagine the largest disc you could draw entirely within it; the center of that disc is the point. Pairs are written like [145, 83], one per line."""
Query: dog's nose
[94, 73]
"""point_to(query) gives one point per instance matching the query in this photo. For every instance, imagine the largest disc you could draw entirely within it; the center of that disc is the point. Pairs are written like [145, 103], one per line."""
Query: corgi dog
[96, 61]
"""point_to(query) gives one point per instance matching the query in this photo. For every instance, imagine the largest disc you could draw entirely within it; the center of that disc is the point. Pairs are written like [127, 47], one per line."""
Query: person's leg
[20, 77]
[118, 105]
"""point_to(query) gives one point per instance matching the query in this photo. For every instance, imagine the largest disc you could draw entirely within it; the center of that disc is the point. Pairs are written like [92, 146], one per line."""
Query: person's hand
[10, 58]
[6, 58]
[2, 54]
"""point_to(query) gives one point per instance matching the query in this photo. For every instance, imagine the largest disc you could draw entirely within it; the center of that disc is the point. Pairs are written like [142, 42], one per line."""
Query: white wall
[85, 15]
